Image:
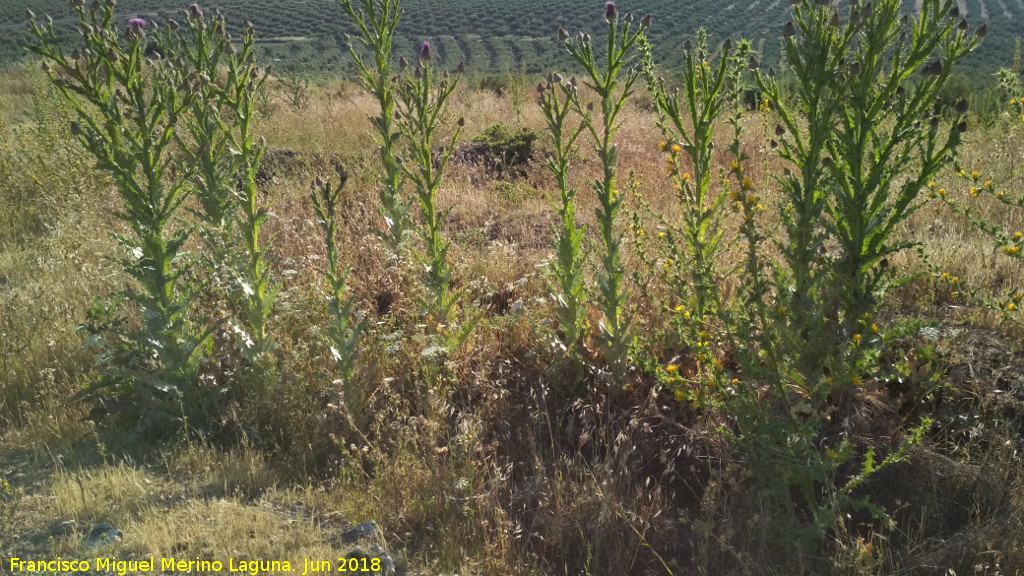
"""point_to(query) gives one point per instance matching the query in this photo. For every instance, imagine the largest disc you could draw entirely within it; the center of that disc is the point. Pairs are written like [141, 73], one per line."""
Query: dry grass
[493, 472]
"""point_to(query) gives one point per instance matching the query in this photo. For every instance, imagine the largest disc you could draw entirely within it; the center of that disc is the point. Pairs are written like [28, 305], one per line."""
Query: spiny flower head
[425, 52]
[610, 12]
[195, 11]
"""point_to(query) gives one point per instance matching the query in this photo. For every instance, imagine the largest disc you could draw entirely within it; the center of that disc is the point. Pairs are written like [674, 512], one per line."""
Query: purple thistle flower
[425, 52]
[138, 23]
[194, 11]
[610, 12]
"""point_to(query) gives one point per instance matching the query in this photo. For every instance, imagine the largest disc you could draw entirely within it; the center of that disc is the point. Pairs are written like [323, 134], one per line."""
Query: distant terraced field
[495, 37]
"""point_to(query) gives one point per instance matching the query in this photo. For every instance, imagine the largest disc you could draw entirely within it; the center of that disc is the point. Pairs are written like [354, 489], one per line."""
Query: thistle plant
[222, 146]
[342, 334]
[558, 100]
[127, 108]
[613, 92]
[422, 100]
[863, 141]
[685, 253]
[687, 123]
[377, 21]
[1003, 239]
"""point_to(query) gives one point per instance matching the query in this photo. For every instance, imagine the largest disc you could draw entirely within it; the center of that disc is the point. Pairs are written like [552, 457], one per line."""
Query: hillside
[495, 37]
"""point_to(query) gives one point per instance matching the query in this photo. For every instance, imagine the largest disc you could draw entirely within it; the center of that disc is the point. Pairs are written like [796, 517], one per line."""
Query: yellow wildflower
[671, 368]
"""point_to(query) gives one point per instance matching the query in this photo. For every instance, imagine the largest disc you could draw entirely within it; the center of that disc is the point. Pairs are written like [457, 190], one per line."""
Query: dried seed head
[610, 12]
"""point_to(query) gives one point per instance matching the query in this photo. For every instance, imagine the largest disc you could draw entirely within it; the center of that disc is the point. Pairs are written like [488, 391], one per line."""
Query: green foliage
[295, 90]
[221, 145]
[505, 146]
[558, 100]
[423, 99]
[342, 333]
[377, 22]
[613, 91]
[126, 116]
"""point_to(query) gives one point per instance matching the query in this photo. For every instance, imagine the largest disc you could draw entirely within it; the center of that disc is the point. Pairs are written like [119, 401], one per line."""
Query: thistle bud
[229, 49]
[31, 15]
[646, 22]
[195, 12]
[461, 68]
[610, 12]
[173, 24]
[556, 78]
[982, 30]
[110, 3]
[76, 128]
[962, 25]
[45, 67]
[77, 3]
[753, 63]
[425, 52]
[854, 68]
[961, 127]
[771, 71]
[954, 12]
[687, 46]
[86, 29]
[628, 18]
[112, 56]
[418, 73]
[867, 11]
[319, 182]
[961, 106]
[727, 45]
[461, 122]
[789, 30]
[562, 34]
[933, 69]
[586, 38]
[403, 63]
[780, 130]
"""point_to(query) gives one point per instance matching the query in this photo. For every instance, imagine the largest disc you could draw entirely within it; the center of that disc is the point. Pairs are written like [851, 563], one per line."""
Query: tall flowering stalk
[377, 21]
[343, 334]
[423, 100]
[613, 90]
[686, 252]
[127, 108]
[223, 148]
[558, 100]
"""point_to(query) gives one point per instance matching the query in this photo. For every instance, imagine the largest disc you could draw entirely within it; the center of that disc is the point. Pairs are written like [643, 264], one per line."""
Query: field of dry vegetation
[501, 455]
